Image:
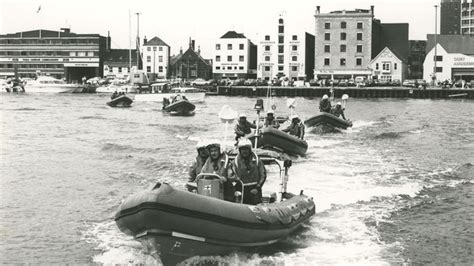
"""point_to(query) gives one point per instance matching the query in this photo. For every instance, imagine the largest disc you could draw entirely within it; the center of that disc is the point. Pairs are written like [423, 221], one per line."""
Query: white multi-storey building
[156, 57]
[467, 18]
[282, 55]
[234, 57]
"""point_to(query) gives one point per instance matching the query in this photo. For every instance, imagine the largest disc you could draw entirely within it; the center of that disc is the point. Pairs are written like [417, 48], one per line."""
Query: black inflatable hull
[328, 120]
[121, 101]
[278, 140]
[176, 224]
[182, 107]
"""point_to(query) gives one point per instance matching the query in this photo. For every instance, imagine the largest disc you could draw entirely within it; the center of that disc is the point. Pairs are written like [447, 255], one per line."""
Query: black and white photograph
[312, 132]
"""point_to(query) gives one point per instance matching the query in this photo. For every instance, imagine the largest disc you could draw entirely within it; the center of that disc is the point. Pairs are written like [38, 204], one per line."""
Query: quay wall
[368, 92]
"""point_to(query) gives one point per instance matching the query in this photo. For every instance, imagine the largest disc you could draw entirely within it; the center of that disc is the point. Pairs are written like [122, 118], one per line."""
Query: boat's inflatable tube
[281, 141]
[121, 101]
[327, 119]
[180, 107]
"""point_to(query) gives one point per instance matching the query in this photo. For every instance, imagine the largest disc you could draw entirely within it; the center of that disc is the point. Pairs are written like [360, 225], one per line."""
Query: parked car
[200, 82]
[360, 81]
[262, 82]
[410, 83]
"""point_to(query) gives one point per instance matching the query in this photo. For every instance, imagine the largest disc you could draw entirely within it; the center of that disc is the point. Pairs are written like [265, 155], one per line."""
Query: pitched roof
[120, 57]
[156, 41]
[189, 54]
[404, 60]
[459, 44]
[233, 35]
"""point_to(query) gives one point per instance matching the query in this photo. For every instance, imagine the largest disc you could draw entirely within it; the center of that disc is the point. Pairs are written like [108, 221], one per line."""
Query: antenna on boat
[258, 107]
[344, 98]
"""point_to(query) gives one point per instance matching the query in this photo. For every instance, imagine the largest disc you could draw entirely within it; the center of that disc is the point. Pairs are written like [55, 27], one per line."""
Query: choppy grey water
[397, 187]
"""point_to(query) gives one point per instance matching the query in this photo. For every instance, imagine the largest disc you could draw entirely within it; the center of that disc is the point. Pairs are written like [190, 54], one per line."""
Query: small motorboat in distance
[174, 225]
[120, 101]
[329, 120]
[48, 84]
[178, 107]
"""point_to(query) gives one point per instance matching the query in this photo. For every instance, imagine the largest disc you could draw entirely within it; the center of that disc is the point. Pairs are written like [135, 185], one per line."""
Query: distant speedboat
[194, 95]
[49, 84]
[126, 88]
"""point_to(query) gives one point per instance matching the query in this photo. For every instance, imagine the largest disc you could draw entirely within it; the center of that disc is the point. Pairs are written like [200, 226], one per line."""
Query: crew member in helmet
[296, 128]
[199, 161]
[218, 163]
[248, 168]
[325, 104]
[338, 111]
[270, 120]
[243, 127]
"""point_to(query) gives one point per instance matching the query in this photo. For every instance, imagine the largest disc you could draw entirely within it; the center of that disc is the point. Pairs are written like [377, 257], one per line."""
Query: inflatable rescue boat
[329, 120]
[181, 107]
[121, 101]
[278, 140]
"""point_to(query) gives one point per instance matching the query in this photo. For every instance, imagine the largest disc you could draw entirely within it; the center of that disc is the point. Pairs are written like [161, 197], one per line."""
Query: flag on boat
[39, 9]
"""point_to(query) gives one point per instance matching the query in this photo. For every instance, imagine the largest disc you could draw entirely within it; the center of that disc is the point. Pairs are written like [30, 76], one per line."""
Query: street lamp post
[435, 45]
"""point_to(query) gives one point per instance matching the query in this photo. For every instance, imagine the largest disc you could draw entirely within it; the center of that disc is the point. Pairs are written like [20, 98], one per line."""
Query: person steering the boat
[249, 169]
[198, 163]
[243, 127]
[270, 120]
[338, 111]
[114, 95]
[325, 104]
[218, 163]
[296, 128]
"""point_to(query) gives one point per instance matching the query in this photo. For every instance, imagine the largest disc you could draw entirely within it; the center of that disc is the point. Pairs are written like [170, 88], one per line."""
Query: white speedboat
[193, 95]
[115, 87]
[51, 85]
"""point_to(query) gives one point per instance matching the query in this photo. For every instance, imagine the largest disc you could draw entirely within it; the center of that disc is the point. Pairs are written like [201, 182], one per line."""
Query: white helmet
[242, 115]
[270, 112]
[325, 96]
[213, 143]
[201, 145]
[244, 143]
[294, 116]
[338, 103]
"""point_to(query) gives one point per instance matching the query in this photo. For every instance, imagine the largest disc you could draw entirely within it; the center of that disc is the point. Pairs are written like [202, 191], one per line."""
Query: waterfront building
[454, 58]
[467, 18]
[343, 44]
[190, 64]
[416, 57]
[156, 58]
[450, 17]
[388, 66]
[285, 55]
[235, 56]
[117, 63]
[61, 54]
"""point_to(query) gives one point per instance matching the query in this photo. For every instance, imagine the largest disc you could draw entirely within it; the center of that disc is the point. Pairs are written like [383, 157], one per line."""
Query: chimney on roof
[144, 40]
[192, 44]
[199, 50]
[180, 50]
[108, 42]
[318, 10]
[372, 9]
[66, 30]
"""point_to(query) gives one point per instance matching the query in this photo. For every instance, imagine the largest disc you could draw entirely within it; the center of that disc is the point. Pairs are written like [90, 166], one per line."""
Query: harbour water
[396, 187]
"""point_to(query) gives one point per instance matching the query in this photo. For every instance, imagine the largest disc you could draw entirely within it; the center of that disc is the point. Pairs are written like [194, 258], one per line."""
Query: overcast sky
[204, 20]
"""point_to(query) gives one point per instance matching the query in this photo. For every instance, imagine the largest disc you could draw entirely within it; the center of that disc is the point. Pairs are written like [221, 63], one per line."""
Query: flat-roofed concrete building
[61, 54]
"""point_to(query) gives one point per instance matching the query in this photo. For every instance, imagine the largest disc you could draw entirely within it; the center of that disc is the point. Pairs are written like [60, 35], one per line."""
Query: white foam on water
[321, 143]
[361, 123]
[417, 131]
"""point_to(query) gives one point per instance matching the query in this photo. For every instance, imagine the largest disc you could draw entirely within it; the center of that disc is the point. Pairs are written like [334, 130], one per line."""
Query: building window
[160, 58]
[229, 68]
[229, 46]
[294, 68]
[439, 69]
[295, 37]
[327, 25]
[326, 61]
[160, 48]
[358, 61]
[267, 37]
[327, 36]
[386, 66]
[218, 67]
[241, 58]
[148, 58]
[359, 25]
[280, 49]
[281, 29]
[148, 69]
[120, 70]
[395, 66]
[280, 59]
[218, 46]
[281, 39]
[327, 48]
[160, 69]
[241, 68]
[280, 68]
[241, 46]
[267, 68]
[343, 61]
[343, 48]
[376, 66]
[229, 58]
[343, 36]
[359, 36]
[218, 58]
[267, 58]
[294, 58]
[439, 58]
[343, 25]
[267, 47]
[359, 48]
[294, 47]
[148, 48]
